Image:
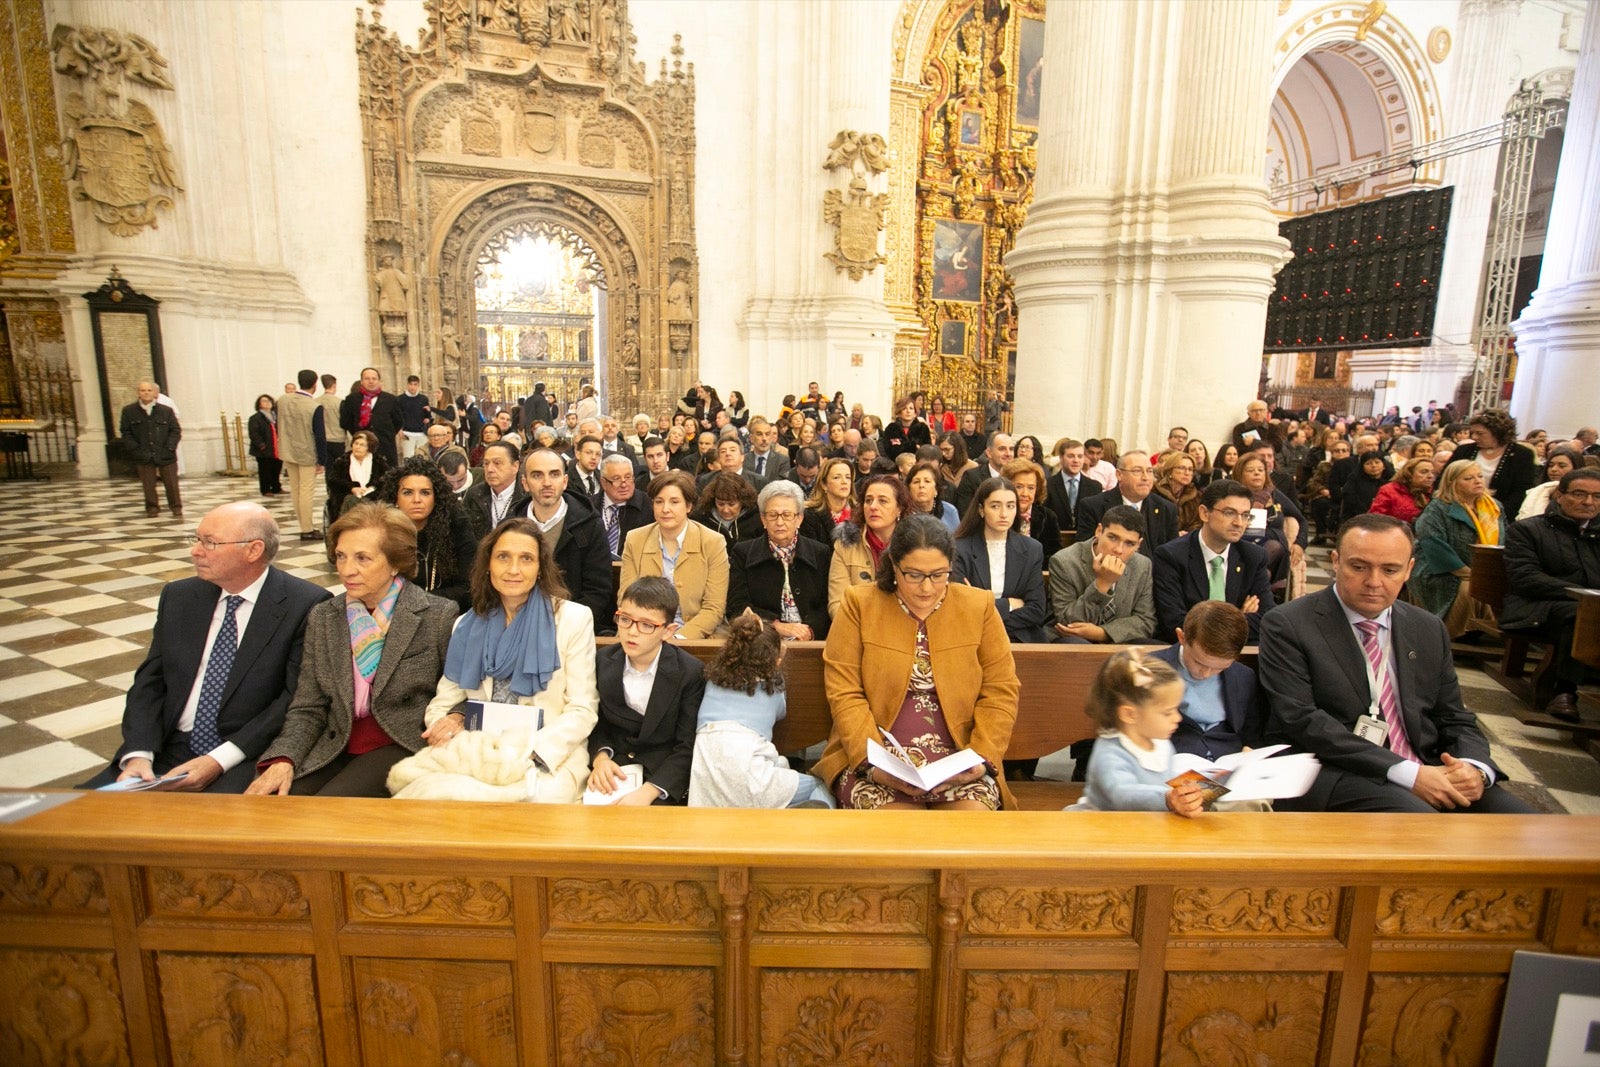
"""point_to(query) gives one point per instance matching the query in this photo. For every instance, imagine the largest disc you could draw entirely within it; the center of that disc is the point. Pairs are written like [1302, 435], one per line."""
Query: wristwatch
[1487, 780]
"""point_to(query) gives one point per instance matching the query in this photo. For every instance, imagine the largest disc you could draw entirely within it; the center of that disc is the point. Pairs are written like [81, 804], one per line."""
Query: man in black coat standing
[368, 407]
[150, 435]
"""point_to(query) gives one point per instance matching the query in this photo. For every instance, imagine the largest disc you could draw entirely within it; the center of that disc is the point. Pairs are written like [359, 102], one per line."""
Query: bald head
[149, 392]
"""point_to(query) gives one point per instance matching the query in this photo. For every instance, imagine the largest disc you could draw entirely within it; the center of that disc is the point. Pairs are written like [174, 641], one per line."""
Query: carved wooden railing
[233, 930]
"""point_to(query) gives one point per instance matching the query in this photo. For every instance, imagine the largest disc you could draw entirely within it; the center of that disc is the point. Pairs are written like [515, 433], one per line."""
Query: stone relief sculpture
[534, 118]
[855, 213]
[114, 148]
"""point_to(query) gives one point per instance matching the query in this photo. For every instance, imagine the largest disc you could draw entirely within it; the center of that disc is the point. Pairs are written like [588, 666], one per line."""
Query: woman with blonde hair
[1460, 515]
[1175, 478]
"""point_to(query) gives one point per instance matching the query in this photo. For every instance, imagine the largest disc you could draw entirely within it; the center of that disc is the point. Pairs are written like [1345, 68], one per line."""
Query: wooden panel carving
[60, 1008]
[895, 909]
[240, 1010]
[476, 901]
[1238, 912]
[1045, 1019]
[630, 902]
[251, 894]
[1591, 919]
[1511, 914]
[1030, 912]
[839, 1018]
[1424, 1018]
[1242, 1019]
[435, 1011]
[63, 888]
[635, 1016]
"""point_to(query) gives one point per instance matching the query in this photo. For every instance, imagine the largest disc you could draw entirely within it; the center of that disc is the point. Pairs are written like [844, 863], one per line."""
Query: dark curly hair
[434, 557]
[1498, 422]
[749, 660]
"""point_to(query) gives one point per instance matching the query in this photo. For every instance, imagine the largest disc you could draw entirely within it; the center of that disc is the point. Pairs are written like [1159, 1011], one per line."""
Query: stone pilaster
[1558, 335]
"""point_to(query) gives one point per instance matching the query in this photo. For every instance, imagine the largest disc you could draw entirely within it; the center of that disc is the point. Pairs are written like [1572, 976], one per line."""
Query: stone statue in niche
[630, 347]
[114, 147]
[679, 303]
[394, 285]
[450, 346]
[609, 28]
[572, 22]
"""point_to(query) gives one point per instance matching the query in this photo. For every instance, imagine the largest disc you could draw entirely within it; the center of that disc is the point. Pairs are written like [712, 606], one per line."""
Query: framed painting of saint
[1030, 70]
[953, 338]
[971, 128]
[957, 260]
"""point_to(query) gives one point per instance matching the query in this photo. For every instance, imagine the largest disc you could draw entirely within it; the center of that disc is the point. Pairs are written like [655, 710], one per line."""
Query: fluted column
[1558, 335]
[1485, 66]
[823, 68]
[1143, 270]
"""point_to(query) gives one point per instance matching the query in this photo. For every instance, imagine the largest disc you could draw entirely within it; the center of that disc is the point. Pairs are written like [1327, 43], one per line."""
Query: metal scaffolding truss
[1528, 119]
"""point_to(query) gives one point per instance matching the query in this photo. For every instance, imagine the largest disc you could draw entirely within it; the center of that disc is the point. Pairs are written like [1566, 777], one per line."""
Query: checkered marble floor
[81, 569]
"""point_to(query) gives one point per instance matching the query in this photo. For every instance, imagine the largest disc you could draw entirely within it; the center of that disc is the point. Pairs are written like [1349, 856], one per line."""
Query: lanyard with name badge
[1372, 726]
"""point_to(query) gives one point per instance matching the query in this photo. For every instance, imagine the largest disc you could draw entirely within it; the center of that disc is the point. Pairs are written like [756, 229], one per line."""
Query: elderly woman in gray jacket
[372, 660]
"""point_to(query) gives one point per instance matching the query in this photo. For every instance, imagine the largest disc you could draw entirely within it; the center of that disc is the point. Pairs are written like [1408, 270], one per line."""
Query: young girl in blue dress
[1135, 702]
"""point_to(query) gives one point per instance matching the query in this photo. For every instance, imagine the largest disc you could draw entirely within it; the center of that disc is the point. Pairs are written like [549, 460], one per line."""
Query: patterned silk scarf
[1486, 517]
[367, 631]
[784, 554]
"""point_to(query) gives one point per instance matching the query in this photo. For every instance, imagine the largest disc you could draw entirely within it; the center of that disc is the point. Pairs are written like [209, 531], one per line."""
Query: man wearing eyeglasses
[623, 506]
[223, 663]
[1213, 563]
[1546, 556]
[1135, 480]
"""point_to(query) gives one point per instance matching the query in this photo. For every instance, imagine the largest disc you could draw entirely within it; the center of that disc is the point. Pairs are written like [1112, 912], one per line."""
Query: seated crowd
[462, 661]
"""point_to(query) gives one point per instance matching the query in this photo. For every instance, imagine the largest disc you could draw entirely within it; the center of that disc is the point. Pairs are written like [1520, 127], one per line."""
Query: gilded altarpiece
[976, 123]
[515, 115]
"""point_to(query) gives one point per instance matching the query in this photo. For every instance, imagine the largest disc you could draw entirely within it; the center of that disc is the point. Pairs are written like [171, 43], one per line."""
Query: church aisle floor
[81, 570]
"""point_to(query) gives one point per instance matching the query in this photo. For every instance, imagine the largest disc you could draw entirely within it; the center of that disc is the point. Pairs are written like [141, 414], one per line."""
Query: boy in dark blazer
[650, 694]
[1221, 713]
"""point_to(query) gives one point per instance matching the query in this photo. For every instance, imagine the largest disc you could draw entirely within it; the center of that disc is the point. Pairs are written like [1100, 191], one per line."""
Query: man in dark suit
[583, 472]
[1316, 413]
[1071, 485]
[150, 434]
[499, 495]
[1257, 426]
[1221, 712]
[1213, 563]
[999, 451]
[580, 542]
[623, 507]
[197, 706]
[368, 407]
[765, 461]
[1365, 683]
[650, 693]
[1135, 480]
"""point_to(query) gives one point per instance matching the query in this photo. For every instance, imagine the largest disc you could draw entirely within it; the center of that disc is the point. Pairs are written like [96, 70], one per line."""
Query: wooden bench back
[1586, 635]
[1489, 582]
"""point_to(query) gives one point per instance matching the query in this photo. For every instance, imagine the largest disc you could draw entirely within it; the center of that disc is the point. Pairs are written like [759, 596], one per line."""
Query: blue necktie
[204, 737]
[761, 466]
[1072, 492]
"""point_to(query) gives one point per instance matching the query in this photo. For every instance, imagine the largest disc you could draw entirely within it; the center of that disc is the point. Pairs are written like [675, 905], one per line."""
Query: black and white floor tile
[81, 569]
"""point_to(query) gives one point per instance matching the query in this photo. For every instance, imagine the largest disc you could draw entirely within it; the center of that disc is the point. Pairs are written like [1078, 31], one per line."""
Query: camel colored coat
[701, 575]
[867, 667]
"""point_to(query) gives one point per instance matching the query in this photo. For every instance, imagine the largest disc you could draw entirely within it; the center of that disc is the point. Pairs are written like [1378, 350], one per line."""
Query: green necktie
[1219, 581]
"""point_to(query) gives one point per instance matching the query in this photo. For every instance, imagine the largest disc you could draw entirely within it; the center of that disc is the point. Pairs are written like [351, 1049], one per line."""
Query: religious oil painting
[971, 128]
[953, 338]
[1030, 70]
[957, 260]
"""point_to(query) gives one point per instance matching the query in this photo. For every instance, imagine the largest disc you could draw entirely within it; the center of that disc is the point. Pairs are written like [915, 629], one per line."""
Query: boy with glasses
[1213, 563]
[650, 694]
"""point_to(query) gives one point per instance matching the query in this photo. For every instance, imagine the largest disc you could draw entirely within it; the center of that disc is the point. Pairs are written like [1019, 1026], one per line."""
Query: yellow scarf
[1486, 517]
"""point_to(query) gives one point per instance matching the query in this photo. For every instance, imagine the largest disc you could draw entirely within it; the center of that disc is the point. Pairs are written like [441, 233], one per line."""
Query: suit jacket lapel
[196, 620]
[609, 674]
[1014, 550]
[403, 625]
[981, 566]
[1341, 642]
[264, 619]
[1404, 676]
[1235, 576]
[663, 693]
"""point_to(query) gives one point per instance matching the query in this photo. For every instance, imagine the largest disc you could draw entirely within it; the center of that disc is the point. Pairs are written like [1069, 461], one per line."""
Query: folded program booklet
[633, 779]
[494, 717]
[1260, 774]
[927, 777]
[136, 785]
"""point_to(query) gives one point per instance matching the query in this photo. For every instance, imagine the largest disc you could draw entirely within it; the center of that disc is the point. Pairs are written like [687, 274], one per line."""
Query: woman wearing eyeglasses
[782, 576]
[525, 643]
[926, 660]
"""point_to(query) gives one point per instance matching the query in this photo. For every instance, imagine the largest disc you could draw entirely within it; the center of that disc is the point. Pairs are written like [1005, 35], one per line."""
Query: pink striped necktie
[1388, 699]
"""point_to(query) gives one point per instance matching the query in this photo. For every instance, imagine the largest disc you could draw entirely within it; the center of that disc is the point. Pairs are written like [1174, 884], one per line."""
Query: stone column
[1558, 335]
[1485, 79]
[804, 319]
[1143, 270]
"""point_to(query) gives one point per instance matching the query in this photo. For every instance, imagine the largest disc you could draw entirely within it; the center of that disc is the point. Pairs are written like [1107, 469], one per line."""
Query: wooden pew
[1586, 635]
[163, 928]
[1489, 583]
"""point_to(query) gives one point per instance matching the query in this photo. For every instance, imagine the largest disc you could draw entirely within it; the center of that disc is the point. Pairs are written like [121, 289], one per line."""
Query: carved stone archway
[517, 111]
[490, 213]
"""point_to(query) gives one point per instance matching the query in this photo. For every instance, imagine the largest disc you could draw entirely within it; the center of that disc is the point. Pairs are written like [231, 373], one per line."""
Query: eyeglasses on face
[924, 577]
[781, 516]
[211, 544]
[628, 622]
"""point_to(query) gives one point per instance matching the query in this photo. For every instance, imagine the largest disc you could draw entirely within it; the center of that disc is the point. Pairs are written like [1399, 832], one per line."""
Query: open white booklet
[494, 717]
[634, 779]
[927, 777]
[1260, 774]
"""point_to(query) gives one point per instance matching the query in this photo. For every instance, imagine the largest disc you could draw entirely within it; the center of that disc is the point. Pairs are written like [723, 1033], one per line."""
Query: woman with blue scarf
[525, 643]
